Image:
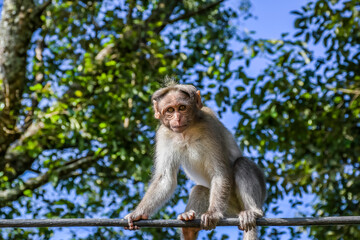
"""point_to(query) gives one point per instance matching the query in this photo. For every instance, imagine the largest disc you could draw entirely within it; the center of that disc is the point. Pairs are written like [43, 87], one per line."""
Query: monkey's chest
[195, 165]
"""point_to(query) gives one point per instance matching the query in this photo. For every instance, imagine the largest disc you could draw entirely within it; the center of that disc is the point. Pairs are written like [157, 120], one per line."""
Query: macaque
[192, 137]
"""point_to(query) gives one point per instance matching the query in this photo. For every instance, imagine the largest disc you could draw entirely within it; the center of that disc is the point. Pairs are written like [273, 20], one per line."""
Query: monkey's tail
[251, 235]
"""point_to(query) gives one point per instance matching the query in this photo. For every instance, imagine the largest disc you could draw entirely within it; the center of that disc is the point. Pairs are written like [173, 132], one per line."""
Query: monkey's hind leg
[197, 205]
[251, 193]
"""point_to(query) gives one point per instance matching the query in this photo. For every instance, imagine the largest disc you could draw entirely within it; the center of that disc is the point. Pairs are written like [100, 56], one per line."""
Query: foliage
[78, 140]
[305, 109]
[85, 127]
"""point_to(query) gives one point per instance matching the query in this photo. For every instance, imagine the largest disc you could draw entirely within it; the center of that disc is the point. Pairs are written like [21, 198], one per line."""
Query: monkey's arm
[160, 190]
[219, 196]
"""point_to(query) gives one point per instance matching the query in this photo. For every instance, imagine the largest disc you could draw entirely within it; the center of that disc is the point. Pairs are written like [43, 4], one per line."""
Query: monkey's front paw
[210, 219]
[247, 220]
[187, 216]
[134, 216]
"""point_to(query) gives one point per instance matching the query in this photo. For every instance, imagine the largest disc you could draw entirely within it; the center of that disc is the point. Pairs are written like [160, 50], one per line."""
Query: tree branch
[349, 91]
[345, 90]
[41, 8]
[193, 13]
[62, 172]
[189, 15]
[164, 7]
[129, 18]
[39, 78]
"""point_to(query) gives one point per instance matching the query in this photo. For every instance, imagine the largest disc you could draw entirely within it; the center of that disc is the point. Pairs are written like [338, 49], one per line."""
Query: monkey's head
[176, 106]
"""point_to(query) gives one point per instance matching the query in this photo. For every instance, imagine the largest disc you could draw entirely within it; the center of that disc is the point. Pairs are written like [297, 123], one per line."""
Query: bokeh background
[77, 128]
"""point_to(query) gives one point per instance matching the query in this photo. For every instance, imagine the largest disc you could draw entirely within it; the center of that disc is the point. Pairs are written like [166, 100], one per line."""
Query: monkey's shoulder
[208, 112]
[209, 119]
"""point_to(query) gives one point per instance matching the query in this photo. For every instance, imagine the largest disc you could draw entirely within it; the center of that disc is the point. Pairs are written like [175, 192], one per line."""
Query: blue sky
[273, 17]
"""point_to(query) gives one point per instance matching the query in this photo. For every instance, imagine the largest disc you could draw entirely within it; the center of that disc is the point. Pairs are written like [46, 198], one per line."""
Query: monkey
[191, 136]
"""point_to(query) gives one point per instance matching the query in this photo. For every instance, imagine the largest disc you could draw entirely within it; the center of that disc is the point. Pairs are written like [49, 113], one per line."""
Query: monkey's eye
[182, 107]
[170, 110]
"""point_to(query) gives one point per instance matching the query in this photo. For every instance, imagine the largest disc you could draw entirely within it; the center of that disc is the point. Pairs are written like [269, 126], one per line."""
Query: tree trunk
[19, 20]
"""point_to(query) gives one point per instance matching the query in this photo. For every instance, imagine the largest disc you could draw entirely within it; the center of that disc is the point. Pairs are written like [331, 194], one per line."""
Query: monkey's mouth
[179, 128]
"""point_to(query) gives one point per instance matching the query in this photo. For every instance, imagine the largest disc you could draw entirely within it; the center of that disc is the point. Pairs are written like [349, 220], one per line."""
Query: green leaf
[28, 193]
[36, 88]
[78, 93]
[240, 89]
[162, 70]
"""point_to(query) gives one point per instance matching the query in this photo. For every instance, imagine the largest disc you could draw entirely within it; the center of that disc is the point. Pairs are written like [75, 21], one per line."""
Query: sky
[272, 18]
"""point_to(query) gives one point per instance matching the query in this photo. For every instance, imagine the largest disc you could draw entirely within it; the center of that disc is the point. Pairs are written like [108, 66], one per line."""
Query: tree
[305, 109]
[76, 77]
[76, 126]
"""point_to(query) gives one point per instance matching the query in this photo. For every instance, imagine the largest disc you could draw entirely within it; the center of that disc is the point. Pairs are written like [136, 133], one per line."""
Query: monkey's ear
[157, 113]
[198, 99]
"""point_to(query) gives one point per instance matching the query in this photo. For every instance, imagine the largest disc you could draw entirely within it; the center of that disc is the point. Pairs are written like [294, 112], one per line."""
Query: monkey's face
[176, 111]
